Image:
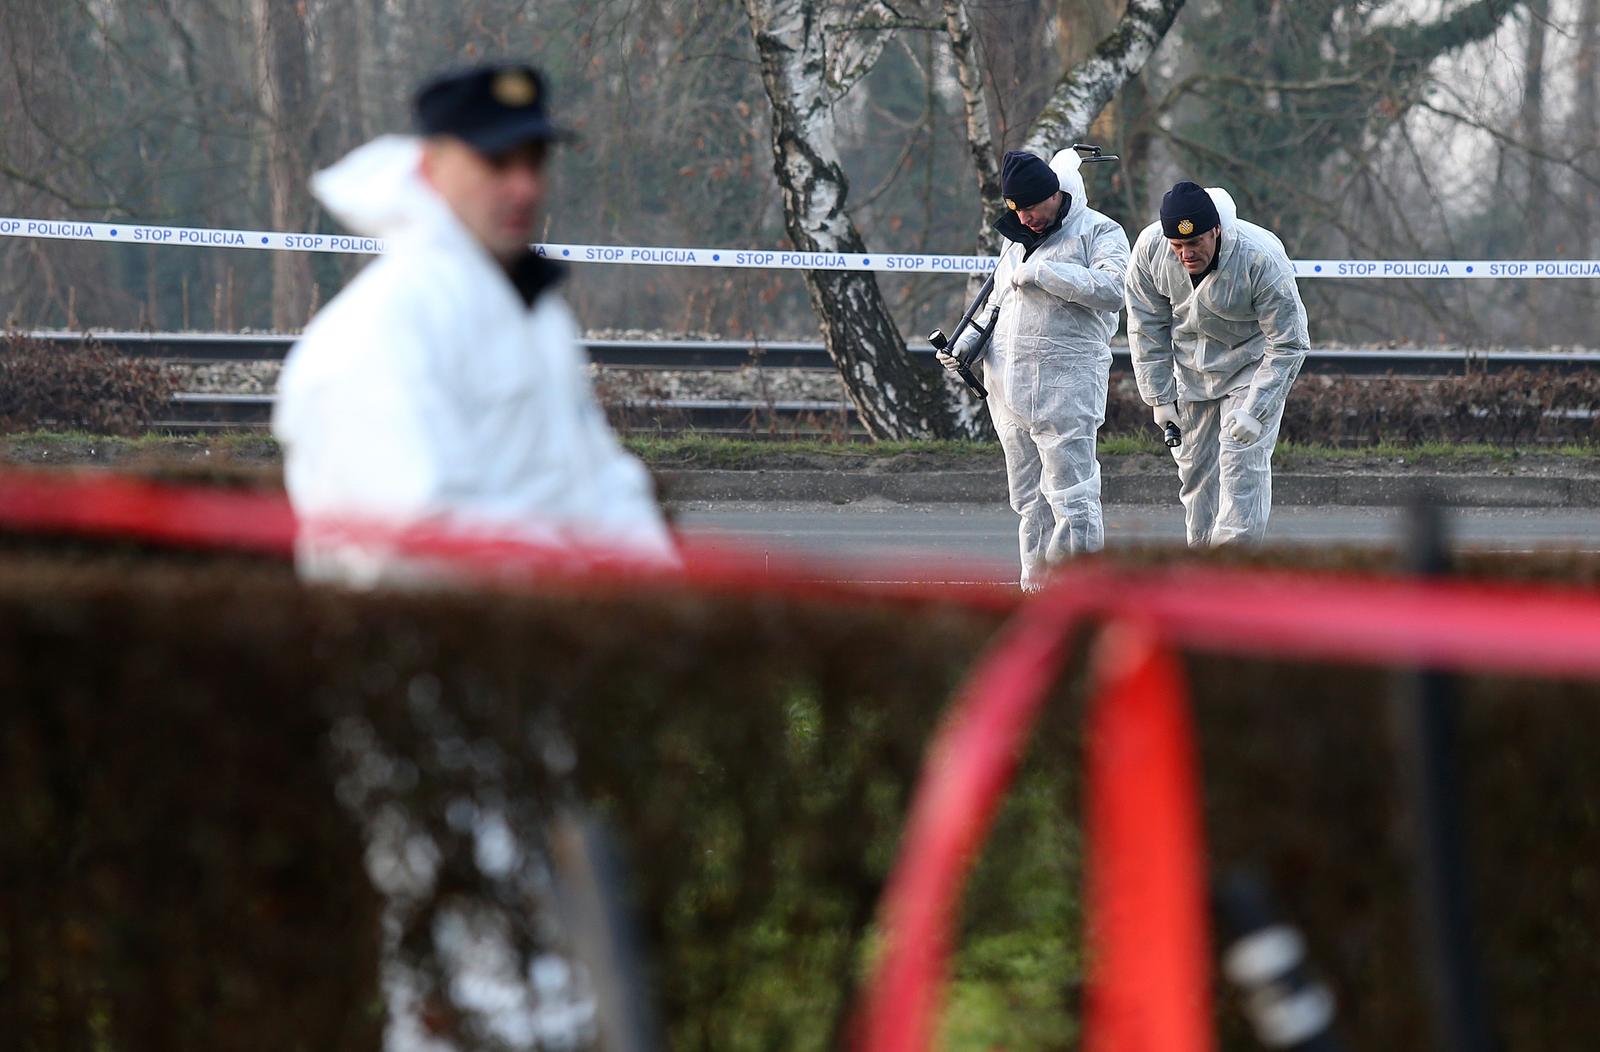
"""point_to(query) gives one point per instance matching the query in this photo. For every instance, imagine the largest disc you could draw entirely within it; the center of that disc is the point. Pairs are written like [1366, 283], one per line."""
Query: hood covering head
[1227, 211]
[1068, 166]
[377, 190]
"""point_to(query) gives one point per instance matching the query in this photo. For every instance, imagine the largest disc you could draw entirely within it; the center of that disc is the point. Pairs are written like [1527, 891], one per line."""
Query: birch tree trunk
[894, 397]
[1079, 96]
[284, 83]
[1082, 91]
[1586, 125]
[1530, 119]
[807, 62]
[980, 136]
[1085, 88]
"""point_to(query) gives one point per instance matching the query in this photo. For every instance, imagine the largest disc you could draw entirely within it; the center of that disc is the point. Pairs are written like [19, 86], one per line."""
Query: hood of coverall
[1228, 220]
[377, 190]
[1067, 164]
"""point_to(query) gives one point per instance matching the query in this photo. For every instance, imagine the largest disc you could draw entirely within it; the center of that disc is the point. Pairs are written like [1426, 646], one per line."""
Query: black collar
[1011, 228]
[531, 274]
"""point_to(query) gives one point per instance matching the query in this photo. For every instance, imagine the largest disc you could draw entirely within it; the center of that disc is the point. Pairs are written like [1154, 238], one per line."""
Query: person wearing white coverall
[1058, 288]
[445, 387]
[1217, 333]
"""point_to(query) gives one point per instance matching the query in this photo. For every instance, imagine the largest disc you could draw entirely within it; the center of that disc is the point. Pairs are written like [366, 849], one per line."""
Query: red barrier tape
[96, 504]
[974, 756]
[1456, 625]
[1149, 983]
[112, 506]
[1453, 625]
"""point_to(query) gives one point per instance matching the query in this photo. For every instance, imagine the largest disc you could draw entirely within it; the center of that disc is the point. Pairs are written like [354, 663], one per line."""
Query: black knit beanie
[1025, 180]
[1187, 210]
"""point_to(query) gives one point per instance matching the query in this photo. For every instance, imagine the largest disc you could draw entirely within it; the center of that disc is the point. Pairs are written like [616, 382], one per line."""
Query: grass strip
[721, 452]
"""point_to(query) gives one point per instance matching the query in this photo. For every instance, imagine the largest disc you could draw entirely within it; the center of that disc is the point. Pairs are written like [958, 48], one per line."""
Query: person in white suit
[1217, 333]
[445, 387]
[1057, 287]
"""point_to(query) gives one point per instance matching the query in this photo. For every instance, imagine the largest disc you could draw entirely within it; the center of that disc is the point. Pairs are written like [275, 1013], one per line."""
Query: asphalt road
[978, 542]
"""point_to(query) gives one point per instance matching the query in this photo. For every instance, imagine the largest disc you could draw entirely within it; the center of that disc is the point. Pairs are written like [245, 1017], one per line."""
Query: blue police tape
[765, 259]
[1447, 268]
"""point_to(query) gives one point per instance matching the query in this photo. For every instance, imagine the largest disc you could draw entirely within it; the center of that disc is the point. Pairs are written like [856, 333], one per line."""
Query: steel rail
[734, 354]
[199, 412]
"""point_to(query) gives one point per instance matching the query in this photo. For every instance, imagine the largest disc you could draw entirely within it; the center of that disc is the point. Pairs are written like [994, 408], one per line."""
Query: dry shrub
[1517, 406]
[81, 386]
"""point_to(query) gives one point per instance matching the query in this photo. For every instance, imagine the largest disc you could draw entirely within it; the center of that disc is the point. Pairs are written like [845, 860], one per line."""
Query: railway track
[198, 413]
[209, 412]
[735, 354]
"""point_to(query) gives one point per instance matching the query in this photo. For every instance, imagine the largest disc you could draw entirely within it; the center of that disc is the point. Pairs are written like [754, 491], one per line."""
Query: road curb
[989, 487]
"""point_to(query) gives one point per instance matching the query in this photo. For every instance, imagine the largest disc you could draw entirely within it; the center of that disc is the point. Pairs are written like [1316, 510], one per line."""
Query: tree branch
[886, 26]
[1083, 91]
[858, 46]
[1414, 45]
[1508, 140]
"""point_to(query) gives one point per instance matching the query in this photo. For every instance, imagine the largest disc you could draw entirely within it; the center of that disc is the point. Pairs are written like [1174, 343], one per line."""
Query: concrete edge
[989, 487]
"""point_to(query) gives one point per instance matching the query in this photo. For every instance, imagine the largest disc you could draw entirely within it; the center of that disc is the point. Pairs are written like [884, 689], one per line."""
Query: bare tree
[811, 54]
[1334, 121]
[285, 86]
[1085, 88]
[809, 58]
[979, 123]
[1585, 122]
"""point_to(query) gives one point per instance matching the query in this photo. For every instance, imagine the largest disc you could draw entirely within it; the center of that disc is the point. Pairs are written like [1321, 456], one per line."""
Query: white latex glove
[1026, 273]
[1244, 428]
[947, 360]
[1167, 414]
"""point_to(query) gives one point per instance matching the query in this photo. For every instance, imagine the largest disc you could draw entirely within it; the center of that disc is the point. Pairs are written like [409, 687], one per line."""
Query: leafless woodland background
[1408, 129]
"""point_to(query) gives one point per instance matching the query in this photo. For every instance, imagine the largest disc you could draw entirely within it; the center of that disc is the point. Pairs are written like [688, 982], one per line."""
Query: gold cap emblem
[513, 88]
[1186, 227]
[1011, 204]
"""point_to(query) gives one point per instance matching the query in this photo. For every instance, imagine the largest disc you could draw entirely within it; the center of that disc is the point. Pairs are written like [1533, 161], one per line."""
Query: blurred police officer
[1058, 287]
[445, 385]
[1217, 333]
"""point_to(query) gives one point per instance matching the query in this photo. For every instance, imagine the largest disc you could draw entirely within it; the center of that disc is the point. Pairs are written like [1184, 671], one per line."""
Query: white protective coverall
[1046, 370]
[1234, 343]
[428, 393]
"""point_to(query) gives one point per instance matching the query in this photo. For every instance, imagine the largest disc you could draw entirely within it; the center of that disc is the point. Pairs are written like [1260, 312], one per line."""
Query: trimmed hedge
[81, 387]
[177, 871]
[1517, 406]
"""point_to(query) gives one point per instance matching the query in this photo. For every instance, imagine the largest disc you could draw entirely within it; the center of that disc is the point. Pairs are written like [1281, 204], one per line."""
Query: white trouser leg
[1071, 476]
[1197, 467]
[1245, 477]
[1023, 470]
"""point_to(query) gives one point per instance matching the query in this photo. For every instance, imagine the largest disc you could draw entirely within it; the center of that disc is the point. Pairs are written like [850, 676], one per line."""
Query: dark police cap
[1187, 210]
[492, 108]
[1025, 180]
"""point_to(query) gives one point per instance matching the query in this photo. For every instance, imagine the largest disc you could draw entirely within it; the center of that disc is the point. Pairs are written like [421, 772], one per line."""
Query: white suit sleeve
[1150, 336]
[1283, 322]
[1002, 281]
[1098, 285]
